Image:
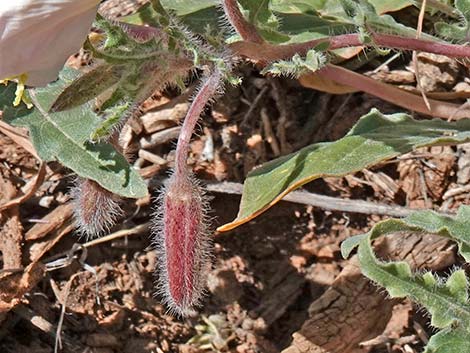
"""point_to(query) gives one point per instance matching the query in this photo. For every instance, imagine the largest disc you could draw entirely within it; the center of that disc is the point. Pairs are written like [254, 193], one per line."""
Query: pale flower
[37, 36]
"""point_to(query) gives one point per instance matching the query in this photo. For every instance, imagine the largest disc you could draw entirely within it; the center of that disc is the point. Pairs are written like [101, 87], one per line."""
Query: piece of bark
[11, 230]
[50, 222]
[15, 285]
[353, 309]
[282, 292]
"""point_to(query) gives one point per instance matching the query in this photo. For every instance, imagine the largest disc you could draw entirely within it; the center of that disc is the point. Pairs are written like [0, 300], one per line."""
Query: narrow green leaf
[375, 138]
[455, 228]
[445, 302]
[87, 87]
[63, 136]
[350, 244]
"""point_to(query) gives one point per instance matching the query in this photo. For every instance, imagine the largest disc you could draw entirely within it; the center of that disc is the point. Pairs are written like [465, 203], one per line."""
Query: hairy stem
[207, 91]
[245, 29]
[180, 225]
[268, 52]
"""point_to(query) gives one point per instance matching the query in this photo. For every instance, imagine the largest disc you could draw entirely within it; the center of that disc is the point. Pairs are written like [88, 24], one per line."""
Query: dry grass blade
[415, 54]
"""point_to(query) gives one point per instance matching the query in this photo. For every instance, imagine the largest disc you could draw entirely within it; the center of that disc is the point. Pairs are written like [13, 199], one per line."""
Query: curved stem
[245, 29]
[392, 94]
[207, 91]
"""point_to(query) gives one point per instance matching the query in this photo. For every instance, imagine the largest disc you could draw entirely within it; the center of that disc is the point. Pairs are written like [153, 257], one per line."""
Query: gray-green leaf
[375, 138]
[449, 341]
[63, 136]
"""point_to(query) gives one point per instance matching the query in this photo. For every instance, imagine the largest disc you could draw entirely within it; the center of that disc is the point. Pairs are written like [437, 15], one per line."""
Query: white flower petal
[37, 36]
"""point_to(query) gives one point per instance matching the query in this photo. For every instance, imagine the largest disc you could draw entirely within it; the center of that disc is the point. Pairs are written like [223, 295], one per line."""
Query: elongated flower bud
[181, 235]
[183, 244]
[96, 209]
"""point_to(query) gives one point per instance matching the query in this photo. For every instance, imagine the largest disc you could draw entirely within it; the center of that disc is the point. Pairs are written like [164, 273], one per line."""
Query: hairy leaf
[459, 31]
[185, 7]
[87, 87]
[455, 228]
[375, 138]
[443, 301]
[285, 21]
[313, 61]
[446, 301]
[63, 136]
[449, 341]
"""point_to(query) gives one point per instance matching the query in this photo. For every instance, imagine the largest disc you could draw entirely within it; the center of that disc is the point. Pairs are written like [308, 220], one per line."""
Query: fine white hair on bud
[182, 243]
[180, 222]
[96, 209]
[37, 36]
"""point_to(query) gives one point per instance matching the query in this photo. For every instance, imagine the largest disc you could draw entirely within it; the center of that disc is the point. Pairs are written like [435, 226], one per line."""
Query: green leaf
[196, 15]
[382, 6]
[455, 228]
[258, 10]
[314, 60]
[446, 302]
[330, 7]
[63, 136]
[306, 20]
[350, 244]
[185, 7]
[449, 341]
[459, 31]
[87, 87]
[375, 138]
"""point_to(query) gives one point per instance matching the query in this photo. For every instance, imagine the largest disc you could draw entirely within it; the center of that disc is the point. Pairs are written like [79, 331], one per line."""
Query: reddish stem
[206, 92]
[268, 52]
[245, 29]
[392, 94]
[406, 43]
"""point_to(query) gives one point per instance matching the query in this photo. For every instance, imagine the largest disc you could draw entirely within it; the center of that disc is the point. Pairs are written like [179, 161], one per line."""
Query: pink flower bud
[180, 227]
[182, 243]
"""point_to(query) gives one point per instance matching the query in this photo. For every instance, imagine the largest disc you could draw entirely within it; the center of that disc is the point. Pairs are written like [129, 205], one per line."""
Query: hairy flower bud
[182, 243]
[96, 209]
[37, 36]
[181, 224]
